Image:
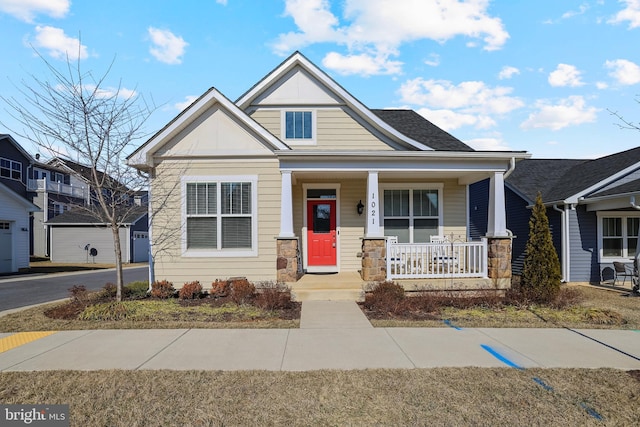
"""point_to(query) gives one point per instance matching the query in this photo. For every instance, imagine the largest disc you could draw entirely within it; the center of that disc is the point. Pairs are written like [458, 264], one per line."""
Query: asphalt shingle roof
[558, 179]
[416, 127]
[82, 216]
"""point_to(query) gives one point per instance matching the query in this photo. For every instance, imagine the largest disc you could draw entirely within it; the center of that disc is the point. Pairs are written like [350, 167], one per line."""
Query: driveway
[28, 290]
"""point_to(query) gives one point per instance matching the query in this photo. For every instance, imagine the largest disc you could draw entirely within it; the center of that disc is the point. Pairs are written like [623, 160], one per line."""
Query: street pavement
[22, 291]
[332, 335]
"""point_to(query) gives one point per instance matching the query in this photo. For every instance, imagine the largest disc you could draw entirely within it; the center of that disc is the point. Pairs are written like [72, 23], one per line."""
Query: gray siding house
[591, 205]
[78, 237]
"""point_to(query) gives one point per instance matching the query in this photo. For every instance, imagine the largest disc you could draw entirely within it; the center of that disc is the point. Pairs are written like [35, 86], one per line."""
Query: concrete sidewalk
[333, 335]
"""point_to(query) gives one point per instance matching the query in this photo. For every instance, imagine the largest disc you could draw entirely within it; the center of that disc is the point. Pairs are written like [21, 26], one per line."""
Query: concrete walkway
[333, 335]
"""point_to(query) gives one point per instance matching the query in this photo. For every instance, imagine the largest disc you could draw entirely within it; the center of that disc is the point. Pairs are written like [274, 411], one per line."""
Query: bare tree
[77, 116]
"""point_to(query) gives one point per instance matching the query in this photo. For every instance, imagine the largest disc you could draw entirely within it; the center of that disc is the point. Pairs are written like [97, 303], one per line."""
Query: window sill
[213, 253]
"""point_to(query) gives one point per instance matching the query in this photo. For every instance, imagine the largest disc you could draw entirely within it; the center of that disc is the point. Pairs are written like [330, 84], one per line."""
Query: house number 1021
[373, 208]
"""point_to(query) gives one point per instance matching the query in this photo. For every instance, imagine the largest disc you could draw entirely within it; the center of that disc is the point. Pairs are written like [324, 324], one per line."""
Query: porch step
[346, 286]
[327, 294]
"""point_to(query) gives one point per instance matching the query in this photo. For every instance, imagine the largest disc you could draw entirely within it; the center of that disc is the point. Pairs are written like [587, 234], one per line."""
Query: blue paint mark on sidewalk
[500, 357]
[448, 323]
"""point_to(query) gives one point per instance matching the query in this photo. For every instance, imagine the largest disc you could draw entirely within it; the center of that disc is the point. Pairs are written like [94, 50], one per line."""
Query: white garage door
[6, 251]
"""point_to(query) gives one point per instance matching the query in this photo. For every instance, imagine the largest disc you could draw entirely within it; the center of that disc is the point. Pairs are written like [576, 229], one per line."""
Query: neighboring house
[15, 206]
[56, 191]
[77, 236]
[297, 176]
[591, 208]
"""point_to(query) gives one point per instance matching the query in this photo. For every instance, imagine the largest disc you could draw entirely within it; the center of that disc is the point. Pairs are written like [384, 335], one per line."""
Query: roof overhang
[467, 167]
[142, 158]
[298, 59]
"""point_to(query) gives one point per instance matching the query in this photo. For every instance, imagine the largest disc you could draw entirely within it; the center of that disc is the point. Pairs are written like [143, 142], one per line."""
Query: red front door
[321, 232]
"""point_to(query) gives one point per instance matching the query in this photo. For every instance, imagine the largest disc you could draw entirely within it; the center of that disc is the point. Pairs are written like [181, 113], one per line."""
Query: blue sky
[540, 76]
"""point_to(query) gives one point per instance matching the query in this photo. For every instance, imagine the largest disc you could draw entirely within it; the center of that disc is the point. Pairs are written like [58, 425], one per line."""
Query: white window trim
[413, 186]
[11, 162]
[615, 214]
[299, 141]
[220, 253]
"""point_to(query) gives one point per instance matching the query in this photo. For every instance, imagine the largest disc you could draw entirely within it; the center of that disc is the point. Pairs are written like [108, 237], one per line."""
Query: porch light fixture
[360, 207]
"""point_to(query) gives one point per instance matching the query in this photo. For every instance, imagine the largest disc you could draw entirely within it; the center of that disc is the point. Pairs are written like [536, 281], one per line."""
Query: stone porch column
[374, 259]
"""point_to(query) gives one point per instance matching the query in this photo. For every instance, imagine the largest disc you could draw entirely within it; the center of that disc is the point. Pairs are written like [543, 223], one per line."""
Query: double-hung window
[220, 217]
[10, 169]
[299, 126]
[618, 234]
[412, 214]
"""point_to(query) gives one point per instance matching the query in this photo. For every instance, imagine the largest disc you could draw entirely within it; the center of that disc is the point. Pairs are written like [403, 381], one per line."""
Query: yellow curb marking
[21, 338]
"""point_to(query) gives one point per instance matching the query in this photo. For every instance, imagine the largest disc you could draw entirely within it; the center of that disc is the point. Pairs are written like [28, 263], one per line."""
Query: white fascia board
[298, 59]
[143, 156]
[578, 197]
[431, 154]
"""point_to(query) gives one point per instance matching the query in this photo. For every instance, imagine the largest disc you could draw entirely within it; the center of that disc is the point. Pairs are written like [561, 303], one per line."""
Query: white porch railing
[55, 187]
[436, 260]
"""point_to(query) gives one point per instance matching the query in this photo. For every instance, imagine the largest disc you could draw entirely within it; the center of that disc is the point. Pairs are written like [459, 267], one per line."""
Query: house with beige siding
[298, 178]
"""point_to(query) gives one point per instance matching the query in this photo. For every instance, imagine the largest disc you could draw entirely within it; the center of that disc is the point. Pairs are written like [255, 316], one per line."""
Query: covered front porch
[400, 217]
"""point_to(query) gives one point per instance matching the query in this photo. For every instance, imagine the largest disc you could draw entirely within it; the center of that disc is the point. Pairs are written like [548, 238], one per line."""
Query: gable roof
[12, 141]
[567, 180]
[416, 127]
[539, 175]
[141, 156]
[9, 193]
[297, 59]
[84, 217]
[84, 172]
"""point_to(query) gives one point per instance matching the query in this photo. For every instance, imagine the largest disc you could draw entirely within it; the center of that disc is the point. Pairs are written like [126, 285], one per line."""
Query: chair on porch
[448, 263]
[623, 270]
[394, 261]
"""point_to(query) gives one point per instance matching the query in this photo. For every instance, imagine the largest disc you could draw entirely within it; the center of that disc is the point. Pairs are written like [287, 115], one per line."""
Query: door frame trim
[305, 254]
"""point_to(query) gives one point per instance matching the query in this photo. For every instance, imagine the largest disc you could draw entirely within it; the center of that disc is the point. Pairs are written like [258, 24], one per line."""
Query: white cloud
[471, 96]
[188, 100]
[26, 10]
[433, 61]
[565, 75]
[581, 10]
[602, 85]
[103, 92]
[222, 2]
[570, 111]
[58, 44]
[363, 64]
[488, 144]
[167, 47]
[379, 28]
[508, 72]
[624, 71]
[450, 120]
[630, 13]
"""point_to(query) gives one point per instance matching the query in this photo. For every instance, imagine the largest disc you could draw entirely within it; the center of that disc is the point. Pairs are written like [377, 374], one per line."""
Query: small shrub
[136, 290]
[79, 295]
[109, 290]
[191, 290]
[567, 297]
[241, 290]
[220, 288]
[273, 296]
[106, 312]
[162, 289]
[385, 296]
[603, 316]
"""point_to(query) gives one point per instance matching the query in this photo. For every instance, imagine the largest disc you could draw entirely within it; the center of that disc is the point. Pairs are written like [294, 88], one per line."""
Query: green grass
[445, 396]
